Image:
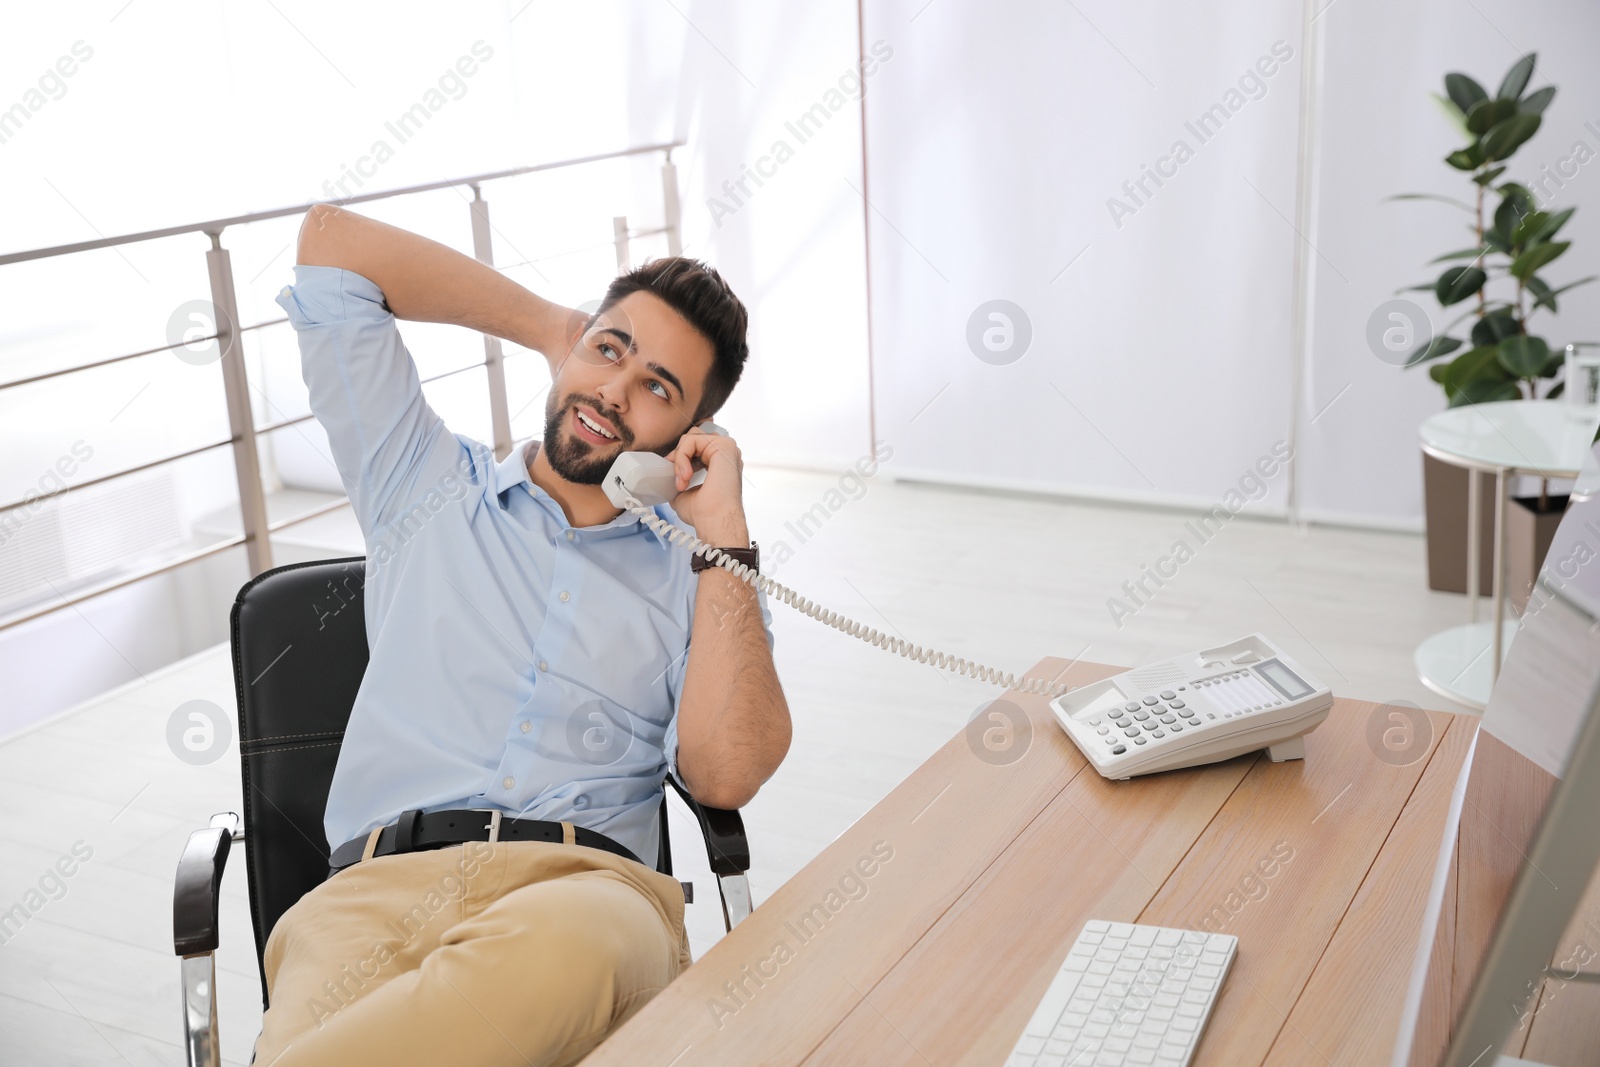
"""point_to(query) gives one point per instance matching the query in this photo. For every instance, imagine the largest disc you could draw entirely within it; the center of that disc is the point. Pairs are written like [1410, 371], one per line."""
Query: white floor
[90, 977]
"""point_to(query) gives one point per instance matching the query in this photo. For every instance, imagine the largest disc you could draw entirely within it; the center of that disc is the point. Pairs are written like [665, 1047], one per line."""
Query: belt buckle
[494, 823]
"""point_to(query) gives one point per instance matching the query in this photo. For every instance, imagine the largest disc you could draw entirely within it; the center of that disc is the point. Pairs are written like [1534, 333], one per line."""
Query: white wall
[1160, 356]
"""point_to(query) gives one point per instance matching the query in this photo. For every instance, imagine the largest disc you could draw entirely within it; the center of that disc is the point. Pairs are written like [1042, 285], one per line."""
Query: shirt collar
[512, 471]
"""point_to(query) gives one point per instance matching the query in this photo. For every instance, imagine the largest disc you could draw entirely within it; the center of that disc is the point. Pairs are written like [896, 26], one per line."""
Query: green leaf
[1523, 199]
[1465, 253]
[1487, 113]
[1489, 175]
[1439, 346]
[1536, 257]
[1506, 137]
[1475, 376]
[1535, 103]
[1541, 292]
[1463, 205]
[1464, 92]
[1558, 220]
[1516, 78]
[1553, 364]
[1549, 299]
[1556, 390]
[1470, 158]
[1494, 327]
[1458, 283]
[1482, 392]
[1507, 217]
[1528, 225]
[1524, 356]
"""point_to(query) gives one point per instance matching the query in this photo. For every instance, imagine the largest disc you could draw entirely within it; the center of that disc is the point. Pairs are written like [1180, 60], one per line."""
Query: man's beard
[579, 461]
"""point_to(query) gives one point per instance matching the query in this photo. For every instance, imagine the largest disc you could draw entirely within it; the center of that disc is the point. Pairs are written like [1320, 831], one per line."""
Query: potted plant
[1503, 359]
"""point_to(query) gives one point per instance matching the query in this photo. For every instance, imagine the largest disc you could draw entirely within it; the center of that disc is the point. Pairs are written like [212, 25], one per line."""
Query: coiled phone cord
[969, 668]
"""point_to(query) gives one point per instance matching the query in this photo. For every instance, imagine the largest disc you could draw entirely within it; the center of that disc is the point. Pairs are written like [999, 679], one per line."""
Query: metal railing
[243, 432]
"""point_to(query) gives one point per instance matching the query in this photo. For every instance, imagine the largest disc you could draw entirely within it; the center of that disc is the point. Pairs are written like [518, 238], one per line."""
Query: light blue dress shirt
[517, 662]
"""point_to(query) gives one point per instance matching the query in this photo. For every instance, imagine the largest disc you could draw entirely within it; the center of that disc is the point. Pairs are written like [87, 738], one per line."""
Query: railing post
[241, 418]
[493, 358]
[619, 237]
[671, 213]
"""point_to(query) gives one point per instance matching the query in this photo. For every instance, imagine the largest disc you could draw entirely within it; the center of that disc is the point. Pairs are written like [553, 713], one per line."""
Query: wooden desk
[982, 872]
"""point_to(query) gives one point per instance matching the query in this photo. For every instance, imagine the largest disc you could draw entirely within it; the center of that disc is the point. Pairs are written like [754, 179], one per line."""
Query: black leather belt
[417, 831]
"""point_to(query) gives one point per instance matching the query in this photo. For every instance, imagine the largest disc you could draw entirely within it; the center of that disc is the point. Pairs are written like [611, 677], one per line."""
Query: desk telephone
[1182, 712]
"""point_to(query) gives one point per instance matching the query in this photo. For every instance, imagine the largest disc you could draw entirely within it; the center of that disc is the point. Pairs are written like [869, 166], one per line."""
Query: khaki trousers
[517, 952]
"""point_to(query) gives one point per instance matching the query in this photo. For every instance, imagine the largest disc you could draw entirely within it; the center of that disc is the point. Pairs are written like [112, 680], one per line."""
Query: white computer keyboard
[1127, 994]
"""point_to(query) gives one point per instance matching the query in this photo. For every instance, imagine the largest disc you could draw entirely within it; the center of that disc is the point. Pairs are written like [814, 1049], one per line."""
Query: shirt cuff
[322, 295]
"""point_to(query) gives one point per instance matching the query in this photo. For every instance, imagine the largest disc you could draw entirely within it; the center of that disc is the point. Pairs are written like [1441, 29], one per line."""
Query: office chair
[299, 652]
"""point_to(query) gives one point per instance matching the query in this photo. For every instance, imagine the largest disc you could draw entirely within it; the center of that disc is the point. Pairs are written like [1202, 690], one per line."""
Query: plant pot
[1444, 491]
[1529, 532]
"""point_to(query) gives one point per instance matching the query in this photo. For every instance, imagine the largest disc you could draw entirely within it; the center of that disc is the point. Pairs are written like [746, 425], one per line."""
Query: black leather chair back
[299, 653]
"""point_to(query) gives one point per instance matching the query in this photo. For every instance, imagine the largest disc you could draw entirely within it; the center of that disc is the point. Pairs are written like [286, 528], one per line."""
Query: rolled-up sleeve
[390, 447]
[675, 677]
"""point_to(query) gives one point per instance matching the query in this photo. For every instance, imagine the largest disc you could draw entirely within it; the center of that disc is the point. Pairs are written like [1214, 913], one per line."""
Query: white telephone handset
[648, 478]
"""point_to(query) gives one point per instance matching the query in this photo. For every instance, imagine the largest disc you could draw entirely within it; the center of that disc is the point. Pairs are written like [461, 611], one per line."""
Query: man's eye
[664, 394]
[609, 350]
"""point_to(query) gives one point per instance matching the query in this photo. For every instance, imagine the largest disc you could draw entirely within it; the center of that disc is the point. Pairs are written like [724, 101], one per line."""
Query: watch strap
[750, 557]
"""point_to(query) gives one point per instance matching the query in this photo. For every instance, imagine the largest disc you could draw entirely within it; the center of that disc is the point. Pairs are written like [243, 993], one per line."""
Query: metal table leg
[1502, 482]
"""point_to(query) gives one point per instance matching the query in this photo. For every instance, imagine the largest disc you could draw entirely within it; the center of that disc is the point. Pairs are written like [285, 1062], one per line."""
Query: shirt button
[509, 782]
[565, 596]
[571, 536]
[527, 726]
[543, 666]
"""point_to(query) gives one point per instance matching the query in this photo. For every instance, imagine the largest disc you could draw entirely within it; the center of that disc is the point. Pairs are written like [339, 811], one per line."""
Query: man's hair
[698, 293]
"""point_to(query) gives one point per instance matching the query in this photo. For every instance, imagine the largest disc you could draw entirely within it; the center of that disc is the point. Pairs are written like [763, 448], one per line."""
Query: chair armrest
[198, 887]
[726, 846]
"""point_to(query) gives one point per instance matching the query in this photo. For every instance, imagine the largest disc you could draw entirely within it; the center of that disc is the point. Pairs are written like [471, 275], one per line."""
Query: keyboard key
[1030, 1045]
[1167, 694]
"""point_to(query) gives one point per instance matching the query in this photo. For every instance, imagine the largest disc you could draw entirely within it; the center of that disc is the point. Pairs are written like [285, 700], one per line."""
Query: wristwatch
[750, 557]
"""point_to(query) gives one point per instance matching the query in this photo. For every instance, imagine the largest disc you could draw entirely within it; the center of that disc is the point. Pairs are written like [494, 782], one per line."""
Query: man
[539, 661]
